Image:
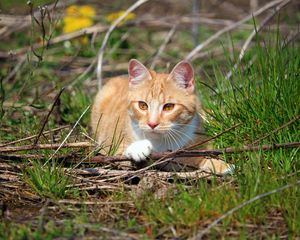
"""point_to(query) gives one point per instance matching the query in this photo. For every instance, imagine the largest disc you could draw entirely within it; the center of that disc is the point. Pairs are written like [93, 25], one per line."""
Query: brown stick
[213, 137]
[33, 136]
[276, 130]
[46, 146]
[48, 115]
[199, 173]
[197, 153]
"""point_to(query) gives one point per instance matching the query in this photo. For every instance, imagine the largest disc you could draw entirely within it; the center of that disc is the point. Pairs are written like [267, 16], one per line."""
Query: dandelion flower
[114, 16]
[78, 17]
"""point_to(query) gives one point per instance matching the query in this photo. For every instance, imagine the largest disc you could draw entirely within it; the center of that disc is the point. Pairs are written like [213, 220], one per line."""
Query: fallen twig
[196, 153]
[48, 115]
[46, 146]
[200, 173]
[68, 135]
[213, 137]
[33, 136]
[74, 202]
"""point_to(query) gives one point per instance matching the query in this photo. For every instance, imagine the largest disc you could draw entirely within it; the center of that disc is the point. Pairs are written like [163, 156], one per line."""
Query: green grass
[48, 180]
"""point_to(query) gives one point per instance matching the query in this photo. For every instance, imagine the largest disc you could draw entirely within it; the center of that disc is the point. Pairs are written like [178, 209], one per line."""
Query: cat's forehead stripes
[158, 88]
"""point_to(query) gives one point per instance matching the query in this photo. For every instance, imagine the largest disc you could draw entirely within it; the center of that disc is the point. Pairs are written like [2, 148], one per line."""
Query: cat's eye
[143, 106]
[168, 106]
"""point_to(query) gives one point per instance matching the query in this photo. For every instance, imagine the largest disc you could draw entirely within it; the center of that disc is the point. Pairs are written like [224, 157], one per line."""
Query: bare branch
[163, 45]
[107, 35]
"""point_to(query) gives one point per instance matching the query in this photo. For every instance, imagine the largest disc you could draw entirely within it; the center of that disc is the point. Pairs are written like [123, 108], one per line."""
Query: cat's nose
[152, 125]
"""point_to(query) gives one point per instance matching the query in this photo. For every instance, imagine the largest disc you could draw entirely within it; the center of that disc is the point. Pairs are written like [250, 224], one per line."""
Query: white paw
[139, 150]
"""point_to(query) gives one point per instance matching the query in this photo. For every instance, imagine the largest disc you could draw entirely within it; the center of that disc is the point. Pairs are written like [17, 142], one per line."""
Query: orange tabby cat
[151, 112]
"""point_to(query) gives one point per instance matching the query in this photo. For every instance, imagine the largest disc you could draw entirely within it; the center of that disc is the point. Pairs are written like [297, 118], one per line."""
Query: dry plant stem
[231, 27]
[163, 46]
[18, 157]
[33, 136]
[276, 130]
[63, 142]
[83, 74]
[154, 156]
[213, 137]
[59, 39]
[74, 202]
[107, 35]
[48, 115]
[197, 153]
[201, 234]
[46, 146]
[26, 20]
[200, 173]
[252, 35]
[15, 70]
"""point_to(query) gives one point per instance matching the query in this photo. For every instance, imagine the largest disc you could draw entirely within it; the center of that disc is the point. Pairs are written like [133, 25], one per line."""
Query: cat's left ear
[137, 72]
[183, 75]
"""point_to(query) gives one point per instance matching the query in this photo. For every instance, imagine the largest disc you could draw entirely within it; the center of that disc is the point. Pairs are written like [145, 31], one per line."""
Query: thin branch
[107, 35]
[16, 69]
[163, 45]
[213, 137]
[33, 136]
[233, 210]
[58, 39]
[48, 115]
[276, 130]
[231, 27]
[196, 153]
[75, 202]
[68, 135]
[46, 146]
[199, 173]
[25, 21]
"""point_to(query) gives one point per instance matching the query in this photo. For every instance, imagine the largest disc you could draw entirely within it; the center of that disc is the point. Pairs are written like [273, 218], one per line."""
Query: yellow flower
[78, 17]
[72, 24]
[87, 11]
[114, 16]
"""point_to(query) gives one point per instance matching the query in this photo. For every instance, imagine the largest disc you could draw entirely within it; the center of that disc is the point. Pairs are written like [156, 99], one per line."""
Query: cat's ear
[183, 75]
[137, 72]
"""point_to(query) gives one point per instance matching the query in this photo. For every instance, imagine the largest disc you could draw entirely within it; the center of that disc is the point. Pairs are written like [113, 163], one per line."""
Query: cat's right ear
[137, 72]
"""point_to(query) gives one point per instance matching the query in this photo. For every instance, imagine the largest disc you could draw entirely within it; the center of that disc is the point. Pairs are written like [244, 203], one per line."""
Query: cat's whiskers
[169, 141]
[166, 141]
[181, 139]
[184, 124]
[182, 133]
[175, 138]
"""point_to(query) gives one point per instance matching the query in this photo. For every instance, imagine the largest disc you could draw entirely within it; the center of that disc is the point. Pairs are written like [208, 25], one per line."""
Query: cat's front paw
[139, 150]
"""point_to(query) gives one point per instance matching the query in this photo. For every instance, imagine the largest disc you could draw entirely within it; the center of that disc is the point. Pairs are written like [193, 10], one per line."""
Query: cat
[151, 112]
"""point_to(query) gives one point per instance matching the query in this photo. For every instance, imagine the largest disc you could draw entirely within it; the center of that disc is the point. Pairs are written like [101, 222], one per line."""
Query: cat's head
[160, 102]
